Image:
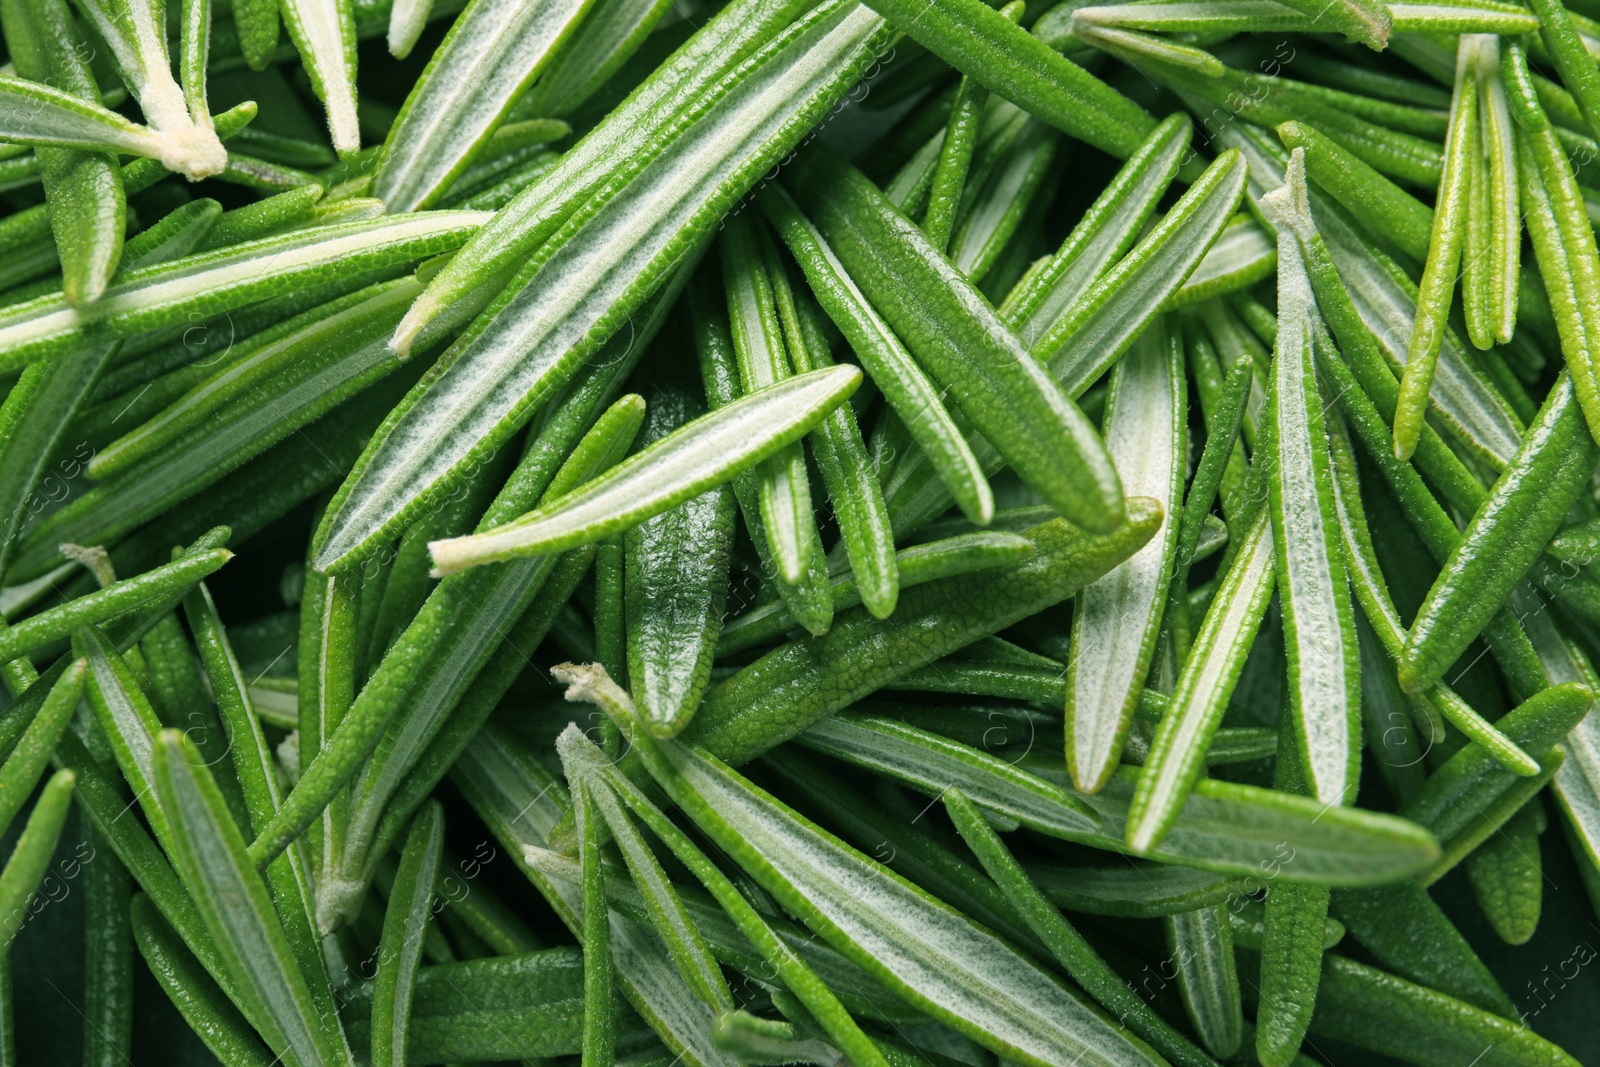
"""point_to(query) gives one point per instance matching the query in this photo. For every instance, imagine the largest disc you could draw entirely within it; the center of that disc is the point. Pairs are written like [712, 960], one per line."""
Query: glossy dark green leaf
[84, 191]
[1000, 388]
[676, 580]
[1522, 511]
[988, 47]
[794, 686]
[30, 858]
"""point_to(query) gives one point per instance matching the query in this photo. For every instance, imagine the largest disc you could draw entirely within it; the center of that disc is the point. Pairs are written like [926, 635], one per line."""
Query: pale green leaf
[465, 285]
[931, 954]
[611, 31]
[932, 763]
[233, 901]
[495, 49]
[573, 297]
[1102, 237]
[1244, 254]
[406, 20]
[1118, 618]
[1319, 631]
[35, 114]
[1222, 827]
[149, 298]
[1266, 16]
[323, 32]
[706, 453]
[136, 31]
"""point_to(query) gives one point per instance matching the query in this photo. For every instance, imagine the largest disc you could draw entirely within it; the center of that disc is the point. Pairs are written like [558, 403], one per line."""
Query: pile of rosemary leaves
[903, 533]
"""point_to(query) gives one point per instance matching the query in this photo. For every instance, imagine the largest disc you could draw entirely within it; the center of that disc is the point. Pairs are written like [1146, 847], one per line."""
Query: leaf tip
[1145, 830]
[588, 683]
[449, 557]
[1142, 838]
[411, 324]
[196, 152]
[1409, 673]
[1290, 202]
